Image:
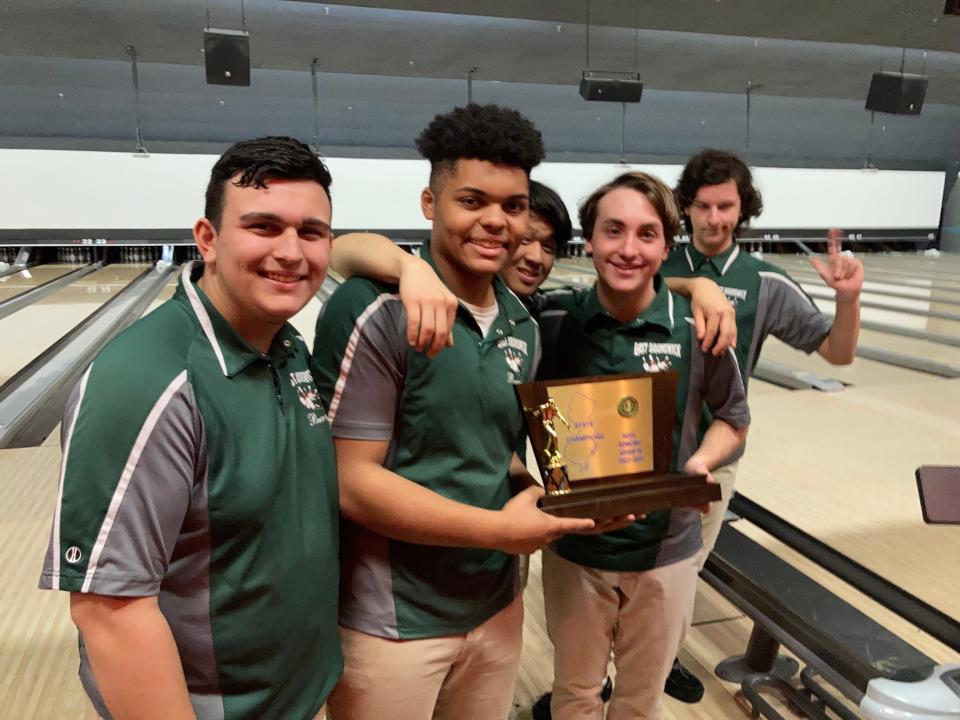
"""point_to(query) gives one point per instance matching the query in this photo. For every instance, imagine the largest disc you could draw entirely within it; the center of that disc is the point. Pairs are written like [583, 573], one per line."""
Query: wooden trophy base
[644, 494]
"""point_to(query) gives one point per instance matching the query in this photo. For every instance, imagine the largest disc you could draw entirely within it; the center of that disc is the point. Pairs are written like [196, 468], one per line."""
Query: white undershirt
[483, 315]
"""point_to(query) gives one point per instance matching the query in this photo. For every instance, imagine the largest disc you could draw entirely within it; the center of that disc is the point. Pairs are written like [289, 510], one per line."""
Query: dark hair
[480, 132]
[714, 167]
[256, 162]
[547, 205]
[652, 188]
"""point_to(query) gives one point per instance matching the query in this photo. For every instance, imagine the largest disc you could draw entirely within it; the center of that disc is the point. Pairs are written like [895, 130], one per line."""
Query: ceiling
[387, 67]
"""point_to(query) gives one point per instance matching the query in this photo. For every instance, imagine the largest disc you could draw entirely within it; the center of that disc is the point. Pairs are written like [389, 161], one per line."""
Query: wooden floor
[838, 465]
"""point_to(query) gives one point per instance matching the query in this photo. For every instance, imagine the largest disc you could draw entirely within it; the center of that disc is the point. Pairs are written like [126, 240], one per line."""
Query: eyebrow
[273, 217]
[622, 224]
[478, 191]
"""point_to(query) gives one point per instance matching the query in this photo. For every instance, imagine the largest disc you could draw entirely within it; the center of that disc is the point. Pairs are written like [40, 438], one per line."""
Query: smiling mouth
[282, 277]
[528, 276]
[628, 268]
[489, 244]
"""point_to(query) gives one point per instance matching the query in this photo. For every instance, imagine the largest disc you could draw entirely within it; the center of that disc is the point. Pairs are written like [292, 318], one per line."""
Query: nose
[629, 246]
[714, 216]
[493, 220]
[287, 248]
[534, 254]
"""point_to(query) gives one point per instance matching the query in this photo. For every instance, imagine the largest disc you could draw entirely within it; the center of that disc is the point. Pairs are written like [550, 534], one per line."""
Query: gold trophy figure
[557, 480]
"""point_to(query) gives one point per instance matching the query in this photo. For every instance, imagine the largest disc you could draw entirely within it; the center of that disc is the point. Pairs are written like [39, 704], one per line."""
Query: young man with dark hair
[196, 524]
[631, 591]
[717, 198]
[548, 231]
[431, 616]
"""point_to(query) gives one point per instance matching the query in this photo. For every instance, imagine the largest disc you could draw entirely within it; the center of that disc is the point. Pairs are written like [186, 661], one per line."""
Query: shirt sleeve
[132, 456]
[723, 391]
[790, 314]
[360, 357]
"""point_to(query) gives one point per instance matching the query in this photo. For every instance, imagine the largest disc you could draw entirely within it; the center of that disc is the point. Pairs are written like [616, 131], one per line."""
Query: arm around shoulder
[714, 317]
[430, 306]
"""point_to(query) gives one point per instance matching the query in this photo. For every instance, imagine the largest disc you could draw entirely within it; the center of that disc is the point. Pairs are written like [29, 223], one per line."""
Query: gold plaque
[601, 441]
[603, 445]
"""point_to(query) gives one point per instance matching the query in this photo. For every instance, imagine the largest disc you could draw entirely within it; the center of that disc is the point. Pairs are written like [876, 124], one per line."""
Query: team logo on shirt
[734, 295]
[515, 353]
[73, 555]
[656, 356]
[309, 397]
[302, 383]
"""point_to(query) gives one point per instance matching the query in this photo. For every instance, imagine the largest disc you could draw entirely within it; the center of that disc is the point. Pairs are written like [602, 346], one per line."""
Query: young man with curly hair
[431, 614]
[717, 198]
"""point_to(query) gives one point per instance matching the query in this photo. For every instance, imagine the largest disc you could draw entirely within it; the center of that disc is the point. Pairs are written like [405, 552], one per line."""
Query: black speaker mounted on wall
[622, 87]
[897, 93]
[952, 7]
[227, 54]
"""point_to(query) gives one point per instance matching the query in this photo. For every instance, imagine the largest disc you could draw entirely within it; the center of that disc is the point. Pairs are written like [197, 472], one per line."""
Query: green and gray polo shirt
[767, 300]
[584, 340]
[452, 423]
[200, 471]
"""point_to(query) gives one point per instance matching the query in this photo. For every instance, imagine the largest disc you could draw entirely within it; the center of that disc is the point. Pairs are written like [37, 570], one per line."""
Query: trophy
[604, 444]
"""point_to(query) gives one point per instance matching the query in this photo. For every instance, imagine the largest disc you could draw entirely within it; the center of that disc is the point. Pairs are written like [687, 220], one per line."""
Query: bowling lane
[840, 466]
[924, 279]
[881, 288]
[860, 373]
[165, 294]
[30, 278]
[33, 329]
[567, 273]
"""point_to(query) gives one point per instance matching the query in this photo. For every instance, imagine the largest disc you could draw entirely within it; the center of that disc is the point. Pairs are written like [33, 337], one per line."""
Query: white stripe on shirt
[132, 461]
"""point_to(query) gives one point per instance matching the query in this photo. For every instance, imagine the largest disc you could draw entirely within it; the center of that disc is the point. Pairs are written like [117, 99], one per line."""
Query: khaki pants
[457, 677]
[641, 616]
[712, 522]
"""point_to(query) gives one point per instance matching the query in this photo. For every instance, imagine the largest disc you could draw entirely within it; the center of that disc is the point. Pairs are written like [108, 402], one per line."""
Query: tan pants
[641, 616]
[712, 522]
[458, 677]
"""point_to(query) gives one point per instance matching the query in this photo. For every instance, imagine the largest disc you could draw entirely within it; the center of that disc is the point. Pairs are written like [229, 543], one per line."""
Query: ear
[587, 246]
[205, 236]
[428, 203]
[666, 251]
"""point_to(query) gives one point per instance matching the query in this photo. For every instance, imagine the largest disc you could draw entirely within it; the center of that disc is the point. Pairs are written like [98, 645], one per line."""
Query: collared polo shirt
[585, 340]
[452, 424]
[201, 471]
[766, 299]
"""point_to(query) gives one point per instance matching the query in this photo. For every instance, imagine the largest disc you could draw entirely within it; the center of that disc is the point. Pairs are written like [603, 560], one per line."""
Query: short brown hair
[652, 188]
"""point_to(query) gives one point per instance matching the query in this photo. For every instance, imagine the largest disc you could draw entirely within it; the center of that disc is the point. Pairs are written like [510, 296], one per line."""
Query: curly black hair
[713, 167]
[480, 132]
[256, 162]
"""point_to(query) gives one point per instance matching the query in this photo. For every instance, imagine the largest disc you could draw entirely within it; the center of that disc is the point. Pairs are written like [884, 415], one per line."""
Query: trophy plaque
[603, 445]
